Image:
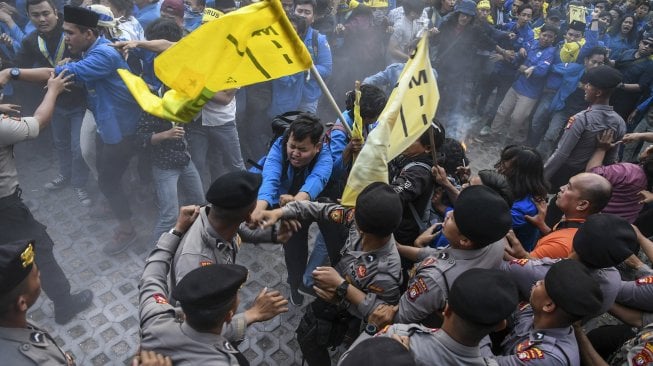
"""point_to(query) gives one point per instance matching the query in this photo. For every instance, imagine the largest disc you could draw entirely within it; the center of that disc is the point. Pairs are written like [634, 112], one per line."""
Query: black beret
[483, 296]
[482, 215]
[602, 77]
[16, 262]
[210, 287]
[379, 351]
[80, 16]
[571, 287]
[378, 209]
[554, 14]
[234, 190]
[604, 240]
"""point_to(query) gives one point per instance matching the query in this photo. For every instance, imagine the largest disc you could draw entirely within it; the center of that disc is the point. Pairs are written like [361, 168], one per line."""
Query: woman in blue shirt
[524, 168]
[622, 36]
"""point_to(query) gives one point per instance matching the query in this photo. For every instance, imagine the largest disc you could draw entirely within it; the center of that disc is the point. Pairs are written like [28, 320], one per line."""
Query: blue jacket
[290, 91]
[524, 39]
[570, 74]
[554, 80]
[338, 142]
[617, 45]
[540, 58]
[276, 182]
[524, 231]
[115, 110]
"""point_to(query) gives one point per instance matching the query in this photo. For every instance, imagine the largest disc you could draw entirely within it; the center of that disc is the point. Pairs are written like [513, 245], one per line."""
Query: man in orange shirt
[585, 194]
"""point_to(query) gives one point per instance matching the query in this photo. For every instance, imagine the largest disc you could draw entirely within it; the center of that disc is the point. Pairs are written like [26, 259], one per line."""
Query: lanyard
[59, 53]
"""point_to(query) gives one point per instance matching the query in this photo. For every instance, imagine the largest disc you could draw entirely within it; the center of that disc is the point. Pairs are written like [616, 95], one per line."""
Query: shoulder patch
[644, 356]
[361, 271]
[337, 215]
[570, 122]
[376, 289]
[521, 262]
[523, 305]
[428, 261]
[160, 298]
[416, 289]
[531, 354]
[205, 263]
[349, 215]
[648, 280]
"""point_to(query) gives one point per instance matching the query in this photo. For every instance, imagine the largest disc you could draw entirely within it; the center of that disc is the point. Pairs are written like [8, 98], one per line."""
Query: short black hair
[523, 7]
[306, 125]
[163, 28]
[550, 28]
[598, 50]
[203, 320]
[127, 6]
[454, 154]
[372, 101]
[29, 3]
[313, 3]
[413, 5]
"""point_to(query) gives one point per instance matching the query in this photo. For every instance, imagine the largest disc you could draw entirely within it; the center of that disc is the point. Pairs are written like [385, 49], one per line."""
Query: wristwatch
[341, 290]
[371, 329]
[176, 233]
[15, 73]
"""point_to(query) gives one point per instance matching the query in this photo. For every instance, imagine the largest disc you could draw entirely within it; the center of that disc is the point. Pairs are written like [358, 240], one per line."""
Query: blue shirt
[540, 58]
[525, 232]
[275, 182]
[618, 44]
[524, 39]
[323, 63]
[114, 108]
[148, 14]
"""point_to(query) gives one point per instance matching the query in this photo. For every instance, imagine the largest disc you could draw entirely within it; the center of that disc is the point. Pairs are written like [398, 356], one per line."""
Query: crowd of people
[439, 266]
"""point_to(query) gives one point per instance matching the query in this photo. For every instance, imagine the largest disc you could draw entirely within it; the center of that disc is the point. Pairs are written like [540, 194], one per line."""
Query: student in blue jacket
[297, 168]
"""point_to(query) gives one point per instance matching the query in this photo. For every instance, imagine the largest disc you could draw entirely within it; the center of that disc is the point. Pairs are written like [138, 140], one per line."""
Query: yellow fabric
[376, 3]
[253, 44]
[406, 116]
[569, 51]
[483, 4]
[211, 14]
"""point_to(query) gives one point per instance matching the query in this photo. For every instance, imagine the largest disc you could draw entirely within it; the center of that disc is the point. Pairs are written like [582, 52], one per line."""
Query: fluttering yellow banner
[407, 115]
[577, 13]
[253, 44]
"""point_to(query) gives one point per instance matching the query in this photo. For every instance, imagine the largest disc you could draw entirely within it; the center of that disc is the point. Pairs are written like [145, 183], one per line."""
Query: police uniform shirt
[428, 288]
[30, 346]
[163, 330]
[578, 141]
[377, 273]
[13, 131]
[637, 294]
[435, 347]
[527, 346]
[525, 272]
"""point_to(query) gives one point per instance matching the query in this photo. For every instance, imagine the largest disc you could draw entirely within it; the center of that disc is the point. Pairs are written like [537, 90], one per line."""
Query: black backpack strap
[314, 43]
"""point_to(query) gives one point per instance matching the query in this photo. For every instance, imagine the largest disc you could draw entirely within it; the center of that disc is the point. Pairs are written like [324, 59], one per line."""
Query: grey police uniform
[30, 346]
[431, 346]
[578, 143]
[527, 346]
[525, 272]
[162, 330]
[638, 294]
[428, 289]
[377, 273]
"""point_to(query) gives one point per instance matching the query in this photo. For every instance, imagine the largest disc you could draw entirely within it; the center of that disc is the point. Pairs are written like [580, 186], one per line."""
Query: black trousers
[17, 223]
[296, 249]
[112, 162]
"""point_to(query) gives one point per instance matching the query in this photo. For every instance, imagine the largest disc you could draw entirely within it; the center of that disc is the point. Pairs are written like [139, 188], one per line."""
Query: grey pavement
[107, 333]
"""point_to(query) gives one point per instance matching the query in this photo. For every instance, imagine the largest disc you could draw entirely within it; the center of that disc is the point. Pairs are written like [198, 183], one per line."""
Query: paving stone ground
[107, 333]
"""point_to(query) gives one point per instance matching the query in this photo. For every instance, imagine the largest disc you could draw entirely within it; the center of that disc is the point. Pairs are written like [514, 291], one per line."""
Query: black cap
[16, 262]
[379, 351]
[80, 16]
[210, 287]
[577, 25]
[482, 215]
[554, 14]
[571, 287]
[378, 209]
[602, 77]
[483, 296]
[605, 240]
[234, 190]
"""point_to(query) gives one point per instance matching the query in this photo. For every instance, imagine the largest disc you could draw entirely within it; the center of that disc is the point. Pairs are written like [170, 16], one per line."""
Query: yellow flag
[407, 115]
[253, 44]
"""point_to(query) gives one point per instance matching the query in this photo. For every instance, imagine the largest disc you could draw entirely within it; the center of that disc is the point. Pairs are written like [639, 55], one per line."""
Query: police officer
[542, 332]
[208, 296]
[579, 138]
[22, 343]
[479, 303]
[379, 351]
[474, 229]
[604, 241]
[367, 275]
[16, 220]
[214, 238]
